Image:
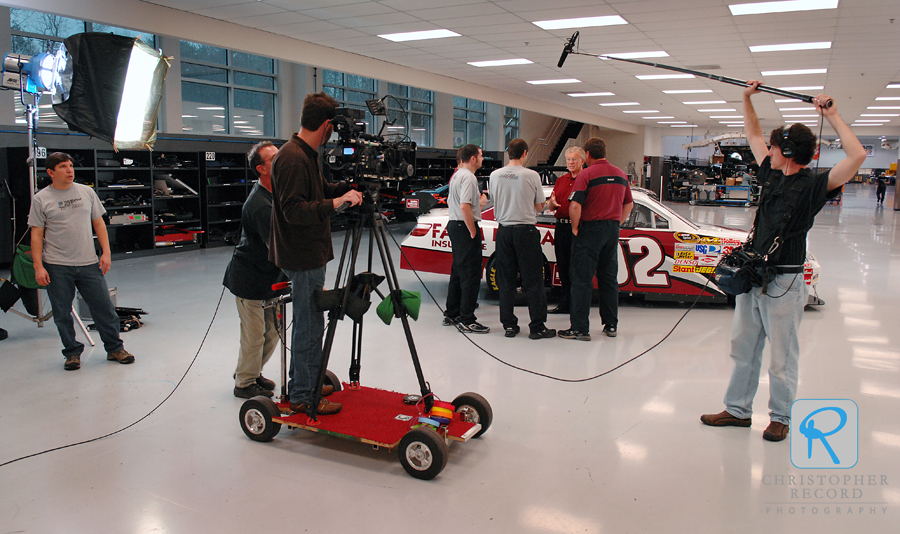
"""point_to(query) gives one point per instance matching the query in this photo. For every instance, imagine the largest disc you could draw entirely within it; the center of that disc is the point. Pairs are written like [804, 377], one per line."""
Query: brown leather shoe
[776, 431]
[327, 390]
[723, 419]
[325, 407]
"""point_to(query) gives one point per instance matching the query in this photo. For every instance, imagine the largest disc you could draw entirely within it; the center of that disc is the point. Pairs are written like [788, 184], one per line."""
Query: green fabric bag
[411, 299]
[23, 268]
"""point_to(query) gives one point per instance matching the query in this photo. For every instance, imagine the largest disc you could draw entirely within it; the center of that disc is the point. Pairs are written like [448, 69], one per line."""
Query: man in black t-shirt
[250, 276]
[792, 195]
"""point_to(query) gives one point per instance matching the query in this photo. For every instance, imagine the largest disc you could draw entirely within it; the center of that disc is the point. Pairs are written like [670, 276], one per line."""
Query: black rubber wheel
[423, 453]
[331, 379]
[473, 408]
[256, 418]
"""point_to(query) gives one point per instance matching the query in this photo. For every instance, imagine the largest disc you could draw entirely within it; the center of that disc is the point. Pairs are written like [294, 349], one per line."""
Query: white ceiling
[697, 34]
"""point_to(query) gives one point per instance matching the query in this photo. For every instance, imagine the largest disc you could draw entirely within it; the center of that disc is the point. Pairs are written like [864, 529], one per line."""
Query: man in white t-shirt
[518, 196]
[465, 201]
[62, 244]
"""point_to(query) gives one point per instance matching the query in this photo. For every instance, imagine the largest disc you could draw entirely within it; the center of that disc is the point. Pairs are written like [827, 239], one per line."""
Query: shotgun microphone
[568, 48]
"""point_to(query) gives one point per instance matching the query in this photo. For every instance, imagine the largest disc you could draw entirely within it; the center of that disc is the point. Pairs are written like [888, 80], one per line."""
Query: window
[419, 104]
[468, 122]
[351, 91]
[34, 32]
[227, 92]
[510, 124]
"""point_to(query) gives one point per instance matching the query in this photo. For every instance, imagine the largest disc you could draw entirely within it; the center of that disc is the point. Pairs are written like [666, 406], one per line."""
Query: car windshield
[666, 213]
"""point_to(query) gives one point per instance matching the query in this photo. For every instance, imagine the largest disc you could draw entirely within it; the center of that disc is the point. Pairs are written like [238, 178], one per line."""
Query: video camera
[359, 156]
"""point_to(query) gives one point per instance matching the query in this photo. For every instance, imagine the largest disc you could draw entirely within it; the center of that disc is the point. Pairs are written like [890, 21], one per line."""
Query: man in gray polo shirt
[518, 196]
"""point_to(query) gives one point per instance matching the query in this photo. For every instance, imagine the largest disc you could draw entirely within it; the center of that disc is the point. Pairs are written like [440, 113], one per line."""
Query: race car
[662, 255]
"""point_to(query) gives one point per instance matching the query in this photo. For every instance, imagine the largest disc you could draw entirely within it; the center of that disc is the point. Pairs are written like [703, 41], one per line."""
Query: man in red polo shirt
[562, 243]
[600, 201]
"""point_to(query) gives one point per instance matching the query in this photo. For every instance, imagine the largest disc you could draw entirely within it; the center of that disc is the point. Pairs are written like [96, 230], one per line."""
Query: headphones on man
[788, 147]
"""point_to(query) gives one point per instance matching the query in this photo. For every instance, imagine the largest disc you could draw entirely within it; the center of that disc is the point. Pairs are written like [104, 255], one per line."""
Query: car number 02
[645, 268]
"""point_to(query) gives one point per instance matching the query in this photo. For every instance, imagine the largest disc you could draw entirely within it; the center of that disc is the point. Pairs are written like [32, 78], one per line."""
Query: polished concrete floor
[623, 453]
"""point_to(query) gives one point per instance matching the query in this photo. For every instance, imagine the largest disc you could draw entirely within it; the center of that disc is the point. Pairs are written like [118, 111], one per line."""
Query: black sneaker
[575, 334]
[450, 321]
[543, 334]
[610, 330]
[511, 331]
[265, 383]
[473, 328]
[253, 390]
[73, 362]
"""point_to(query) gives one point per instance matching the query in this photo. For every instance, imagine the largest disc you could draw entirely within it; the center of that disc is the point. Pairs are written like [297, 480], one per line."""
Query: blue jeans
[306, 341]
[64, 280]
[775, 316]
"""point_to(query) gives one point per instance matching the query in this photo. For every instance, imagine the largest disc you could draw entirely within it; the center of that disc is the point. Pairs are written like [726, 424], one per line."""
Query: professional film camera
[360, 156]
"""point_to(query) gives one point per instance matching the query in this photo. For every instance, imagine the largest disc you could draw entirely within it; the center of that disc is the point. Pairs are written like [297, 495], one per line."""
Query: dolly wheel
[256, 418]
[473, 408]
[332, 380]
[423, 453]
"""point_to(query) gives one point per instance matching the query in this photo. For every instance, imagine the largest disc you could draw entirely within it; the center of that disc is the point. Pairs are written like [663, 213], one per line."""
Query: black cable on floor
[529, 371]
[151, 411]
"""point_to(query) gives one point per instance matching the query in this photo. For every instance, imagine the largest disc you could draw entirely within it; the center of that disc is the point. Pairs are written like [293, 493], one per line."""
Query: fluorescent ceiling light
[883, 107]
[213, 108]
[671, 122]
[189, 117]
[786, 6]
[584, 22]
[873, 120]
[683, 125]
[795, 71]
[621, 104]
[715, 110]
[791, 46]
[734, 125]
[804, 88]
[880, 115]
[731, 122]
[500, 62]
[418, 36]
[578, 95]
[637, 55]
[797, 109]
[641, 111]
[550, 82]
[664, 76]
[893, 86]
[687, 91]
[864, 124]
[800, 116]
[888, 98]
[666, 117]
[701, 102]
[726, 116]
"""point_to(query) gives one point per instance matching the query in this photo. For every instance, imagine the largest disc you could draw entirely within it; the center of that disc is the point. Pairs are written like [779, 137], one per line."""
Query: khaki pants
[259, 337]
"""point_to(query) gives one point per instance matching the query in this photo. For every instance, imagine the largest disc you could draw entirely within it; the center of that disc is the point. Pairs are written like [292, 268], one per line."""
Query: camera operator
[300, 242]
[792, 196]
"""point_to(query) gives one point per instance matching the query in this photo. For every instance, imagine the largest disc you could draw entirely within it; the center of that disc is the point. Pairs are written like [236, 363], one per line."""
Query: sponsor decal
[684, 255]
[684, 247]
[705, 269]
[686, 262]
[710, 240]
[707, 260]
[686, 237]
[683, 268]
[712, 250]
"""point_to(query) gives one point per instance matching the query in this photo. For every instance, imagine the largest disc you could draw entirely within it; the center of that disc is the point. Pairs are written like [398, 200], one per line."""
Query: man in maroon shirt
[562, 244]
[600, 201]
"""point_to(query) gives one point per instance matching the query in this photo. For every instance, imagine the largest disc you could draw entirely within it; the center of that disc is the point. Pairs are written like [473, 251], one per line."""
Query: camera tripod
[354, 297]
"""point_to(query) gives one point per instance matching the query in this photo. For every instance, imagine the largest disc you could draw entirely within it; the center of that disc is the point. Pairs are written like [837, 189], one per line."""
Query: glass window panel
[473, 116]
[254, 80]
[24, 20]
[510, 112]
[420, 129]
[147, 38]
[459, 133]
[241, 60]
[202, 72]
[332, 77]
[476, 133]
[421, 94]
[202, 52]
[476, 104]
[254, 113]
[421, 107]
[334, 92]
[459, 113]
[459, 102]
[393, 103]
[203, 108]
[356, 96]
[398, 90]
[360, 82]
[509, 133]
[30, 46]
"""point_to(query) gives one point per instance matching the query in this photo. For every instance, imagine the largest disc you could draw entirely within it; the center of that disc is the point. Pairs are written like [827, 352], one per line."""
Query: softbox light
[115, 88]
